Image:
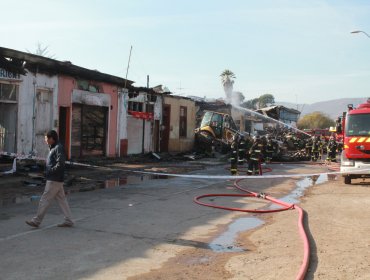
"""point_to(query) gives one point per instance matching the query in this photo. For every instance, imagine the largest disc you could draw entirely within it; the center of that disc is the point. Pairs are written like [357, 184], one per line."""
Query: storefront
[90, 113]
[9, 89]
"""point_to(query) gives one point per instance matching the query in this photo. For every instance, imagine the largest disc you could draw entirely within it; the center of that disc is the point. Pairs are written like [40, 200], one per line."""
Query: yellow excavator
[216, 129]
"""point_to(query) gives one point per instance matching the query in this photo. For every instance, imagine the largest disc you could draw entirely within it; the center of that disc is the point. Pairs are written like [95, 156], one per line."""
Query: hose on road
[284, 206]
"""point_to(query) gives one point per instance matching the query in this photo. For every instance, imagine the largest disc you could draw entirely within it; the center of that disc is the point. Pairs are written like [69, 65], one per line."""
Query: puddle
[111, 183]
[301, 186]
[130, 180]
[225, 243]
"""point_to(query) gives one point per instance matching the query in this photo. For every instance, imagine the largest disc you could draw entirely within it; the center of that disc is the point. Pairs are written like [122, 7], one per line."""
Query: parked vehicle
[356, 136]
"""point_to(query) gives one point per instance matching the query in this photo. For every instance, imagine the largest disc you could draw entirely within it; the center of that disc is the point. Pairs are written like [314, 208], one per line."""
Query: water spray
[272, 119]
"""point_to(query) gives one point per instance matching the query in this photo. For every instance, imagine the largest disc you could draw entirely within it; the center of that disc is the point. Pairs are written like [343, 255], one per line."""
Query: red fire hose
[284, 206]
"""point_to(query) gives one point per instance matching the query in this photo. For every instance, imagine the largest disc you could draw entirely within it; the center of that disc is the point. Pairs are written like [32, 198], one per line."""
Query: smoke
[228, 88]
[236, 98]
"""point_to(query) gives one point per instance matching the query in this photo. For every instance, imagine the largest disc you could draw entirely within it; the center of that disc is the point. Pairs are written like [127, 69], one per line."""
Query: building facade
[178, 125]
[88, 108]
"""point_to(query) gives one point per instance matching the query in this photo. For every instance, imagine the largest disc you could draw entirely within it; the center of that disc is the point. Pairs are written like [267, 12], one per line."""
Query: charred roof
[19, 62]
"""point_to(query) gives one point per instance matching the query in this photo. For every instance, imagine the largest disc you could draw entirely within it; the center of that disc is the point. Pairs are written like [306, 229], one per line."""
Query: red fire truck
[356, 137]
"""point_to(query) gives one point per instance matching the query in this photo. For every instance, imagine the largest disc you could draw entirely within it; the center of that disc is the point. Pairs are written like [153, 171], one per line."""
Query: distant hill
[333, 108]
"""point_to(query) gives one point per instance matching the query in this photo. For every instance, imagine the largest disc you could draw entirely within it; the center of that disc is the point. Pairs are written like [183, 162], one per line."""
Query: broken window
[43, 96]
[135, 106]
[152, 98]
[87, 86]
[183, 121]
[8, 92]
[150, 108]
[136, 102]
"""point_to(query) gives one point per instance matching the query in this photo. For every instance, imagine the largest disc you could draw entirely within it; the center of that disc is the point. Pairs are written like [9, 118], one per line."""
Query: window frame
[183, 122]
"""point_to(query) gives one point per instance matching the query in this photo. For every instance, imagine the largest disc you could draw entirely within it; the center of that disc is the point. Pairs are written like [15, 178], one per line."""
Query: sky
[299, 51]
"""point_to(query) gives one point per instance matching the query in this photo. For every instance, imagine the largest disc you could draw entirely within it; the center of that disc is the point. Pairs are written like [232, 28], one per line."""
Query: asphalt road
[119, 232]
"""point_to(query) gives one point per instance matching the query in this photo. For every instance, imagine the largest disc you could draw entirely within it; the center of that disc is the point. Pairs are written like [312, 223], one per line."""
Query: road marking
[31, 231]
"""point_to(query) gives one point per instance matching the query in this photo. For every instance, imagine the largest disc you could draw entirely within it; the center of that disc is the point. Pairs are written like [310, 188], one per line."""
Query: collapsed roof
[18, 62]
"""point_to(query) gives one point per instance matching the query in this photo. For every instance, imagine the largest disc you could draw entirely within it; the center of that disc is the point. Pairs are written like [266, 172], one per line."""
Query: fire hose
[284, 206]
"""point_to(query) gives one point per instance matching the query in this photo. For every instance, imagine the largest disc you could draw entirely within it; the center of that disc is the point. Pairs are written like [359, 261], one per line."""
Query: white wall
[135, 135]
[30, 83]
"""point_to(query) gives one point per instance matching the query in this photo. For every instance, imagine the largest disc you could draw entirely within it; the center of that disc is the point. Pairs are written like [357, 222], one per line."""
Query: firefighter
[315, 148]
[301, 143]
[332, 150]
[340, 146]
[234, 155]
[309, 142]
[295, 141]
[242, 150]
[269, 149]
[255, 153]
[322, 145]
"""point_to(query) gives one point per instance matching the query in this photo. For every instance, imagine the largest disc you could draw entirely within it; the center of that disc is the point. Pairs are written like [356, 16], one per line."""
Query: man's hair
[52, 134]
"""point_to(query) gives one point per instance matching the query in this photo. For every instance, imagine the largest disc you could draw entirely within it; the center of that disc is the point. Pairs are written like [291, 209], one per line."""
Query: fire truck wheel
[347, 180]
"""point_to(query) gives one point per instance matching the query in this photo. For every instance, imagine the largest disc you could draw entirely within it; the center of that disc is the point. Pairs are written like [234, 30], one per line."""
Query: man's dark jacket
[55, 163]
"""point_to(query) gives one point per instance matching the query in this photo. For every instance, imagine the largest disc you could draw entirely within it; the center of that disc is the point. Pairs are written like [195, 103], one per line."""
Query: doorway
[64, 128]
[165, 134]
[89, 130]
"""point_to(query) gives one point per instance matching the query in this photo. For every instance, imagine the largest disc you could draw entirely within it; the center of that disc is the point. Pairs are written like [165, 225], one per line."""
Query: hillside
[333, 108]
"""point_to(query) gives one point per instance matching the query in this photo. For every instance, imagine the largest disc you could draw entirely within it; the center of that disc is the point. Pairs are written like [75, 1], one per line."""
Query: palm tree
[227, 77]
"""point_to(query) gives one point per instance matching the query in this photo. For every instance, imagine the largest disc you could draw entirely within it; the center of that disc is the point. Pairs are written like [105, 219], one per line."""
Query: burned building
[38, 93]
[281, 113]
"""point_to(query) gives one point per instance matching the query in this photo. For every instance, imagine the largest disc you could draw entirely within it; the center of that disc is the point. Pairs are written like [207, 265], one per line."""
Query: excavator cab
[216, 129]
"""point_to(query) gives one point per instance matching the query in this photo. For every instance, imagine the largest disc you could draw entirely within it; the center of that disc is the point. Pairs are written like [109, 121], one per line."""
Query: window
[150, 108]
[136, 102]
[206, 119]
[358, 125]
[8, 92]
[183, 121]
[43, 96]
[87, 86]
[135, 106]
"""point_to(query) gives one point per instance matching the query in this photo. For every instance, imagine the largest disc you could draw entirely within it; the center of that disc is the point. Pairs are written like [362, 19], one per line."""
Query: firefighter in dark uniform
[234, 155]
[309, 142]
[242, 150]
[295, 141]
[269, 150]
[315, 148]
[255, 153]
[340, 146]
[332, 150]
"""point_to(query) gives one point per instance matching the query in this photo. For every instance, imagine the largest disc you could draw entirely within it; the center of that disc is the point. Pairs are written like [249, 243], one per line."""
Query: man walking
[54, 174]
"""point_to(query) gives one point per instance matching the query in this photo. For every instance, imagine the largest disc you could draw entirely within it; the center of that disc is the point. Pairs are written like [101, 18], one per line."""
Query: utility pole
[119, 108]
[146, 111]
[128, 65]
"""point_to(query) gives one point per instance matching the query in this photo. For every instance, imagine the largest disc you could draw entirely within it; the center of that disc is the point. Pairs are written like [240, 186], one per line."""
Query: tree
[265, 100]
[260, 102]
[315, 120]
[42, 51]
[227, 77]
[251, 104]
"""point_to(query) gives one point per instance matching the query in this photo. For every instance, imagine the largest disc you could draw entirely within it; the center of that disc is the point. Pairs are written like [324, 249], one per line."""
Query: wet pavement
[226, 242]
[124, 227]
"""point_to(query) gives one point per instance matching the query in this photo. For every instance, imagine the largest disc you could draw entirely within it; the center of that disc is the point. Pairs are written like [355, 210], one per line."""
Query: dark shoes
[65, 224]
[32, 224]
